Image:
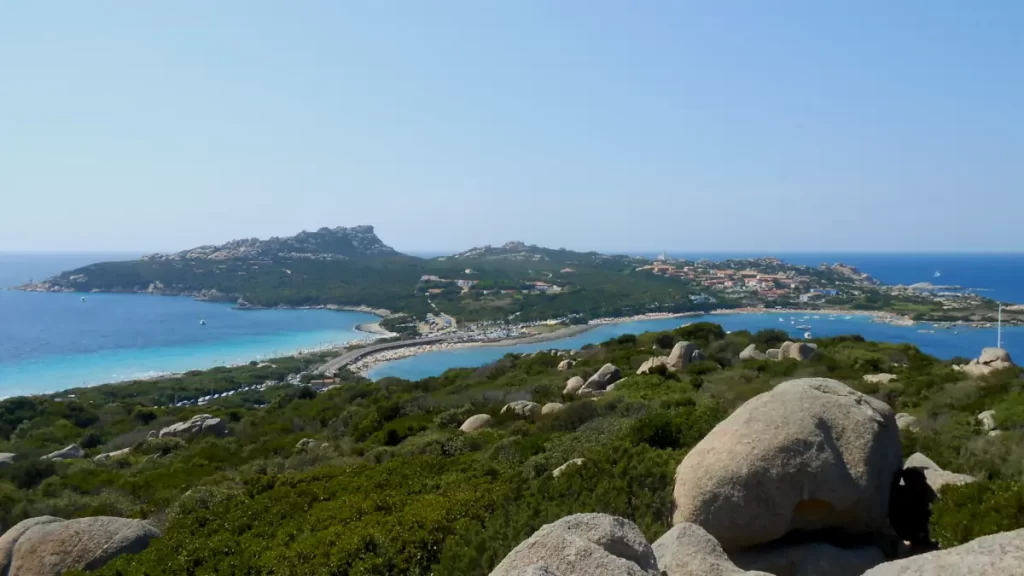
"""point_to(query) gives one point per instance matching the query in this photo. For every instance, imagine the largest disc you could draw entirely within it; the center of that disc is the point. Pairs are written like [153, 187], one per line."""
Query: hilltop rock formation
[607, 375]
[194, 426]
[990, 360]
[324, 244]
[477, 422]
[48, 546]
[997, 555]
[582, 544]
[522, 408]
[72, 452]
[811, 454]
[573, 385]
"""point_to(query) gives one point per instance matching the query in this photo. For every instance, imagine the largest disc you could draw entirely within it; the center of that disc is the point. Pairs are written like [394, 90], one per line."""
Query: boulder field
[806, 479]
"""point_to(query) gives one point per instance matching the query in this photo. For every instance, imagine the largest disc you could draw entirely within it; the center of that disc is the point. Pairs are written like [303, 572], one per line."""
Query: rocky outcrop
[574, 462]
[990, 360]
[573, 385]
[551, 408]
[6, 458]
[48, 546]
[71, 452]
[987, 420]
[688, 550]
[582, 544]
[773, 354]
[879, 378]
[477, 422]
[311, 444]
[934, 475]
[812, 454]
[522, 409]
[113, 455]
[799, 351]
[652, 363]
[996, 555]
[195, 426]
[907, 422]
[681, 355]
[565, 365]
[751, 353]
[812, 558]
[607, 375]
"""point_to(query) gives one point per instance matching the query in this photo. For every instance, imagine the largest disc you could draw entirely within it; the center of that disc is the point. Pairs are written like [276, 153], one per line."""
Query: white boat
[782, 319]
[804, 327]
[202, 322]
[807, 335]
[83, 298]
[937, 274]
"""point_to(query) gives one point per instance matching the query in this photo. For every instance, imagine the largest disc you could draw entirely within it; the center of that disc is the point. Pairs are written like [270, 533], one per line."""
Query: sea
[51, 342]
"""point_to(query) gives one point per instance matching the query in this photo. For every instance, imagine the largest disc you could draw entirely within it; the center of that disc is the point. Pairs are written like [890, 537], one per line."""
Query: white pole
[999, 328]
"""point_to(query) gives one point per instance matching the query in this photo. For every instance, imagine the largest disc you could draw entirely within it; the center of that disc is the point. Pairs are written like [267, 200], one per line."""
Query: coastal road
[353, 355]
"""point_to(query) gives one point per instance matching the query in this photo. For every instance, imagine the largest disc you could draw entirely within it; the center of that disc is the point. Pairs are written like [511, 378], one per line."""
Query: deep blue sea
[50, 342]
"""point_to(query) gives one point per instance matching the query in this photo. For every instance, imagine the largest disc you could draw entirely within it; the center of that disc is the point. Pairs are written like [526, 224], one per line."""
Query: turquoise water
[51, 342]
[944, 343]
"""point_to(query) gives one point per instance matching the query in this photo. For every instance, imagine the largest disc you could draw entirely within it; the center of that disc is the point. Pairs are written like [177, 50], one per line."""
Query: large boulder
[688, 550]
[997, 555]
[48, 546]
[6, 458]
[652, 363]
[522, 409]
[810, 454]
[196, 425]
[907, 422]
[565, 365]
[681, 355]
[477, 422]
[551, 408]
[993, 355]
[784, 349]
[773, 354]
[987, 420]
[71, 452]
[574, 462]
[751, 353]
[808, 559]
[573, 385]
[607, 375]
[799, 351]
[582, 544]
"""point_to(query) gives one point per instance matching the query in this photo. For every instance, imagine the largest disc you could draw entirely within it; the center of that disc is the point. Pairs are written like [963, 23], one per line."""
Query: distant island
[351, 267]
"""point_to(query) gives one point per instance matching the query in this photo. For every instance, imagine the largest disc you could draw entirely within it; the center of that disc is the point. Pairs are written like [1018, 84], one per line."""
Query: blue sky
[721, 126]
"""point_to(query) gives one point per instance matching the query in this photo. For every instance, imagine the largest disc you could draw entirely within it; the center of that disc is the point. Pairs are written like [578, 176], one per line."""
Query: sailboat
[937, 274]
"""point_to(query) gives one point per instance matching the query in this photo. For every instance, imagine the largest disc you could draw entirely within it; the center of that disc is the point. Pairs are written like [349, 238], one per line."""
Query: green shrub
[978, 509]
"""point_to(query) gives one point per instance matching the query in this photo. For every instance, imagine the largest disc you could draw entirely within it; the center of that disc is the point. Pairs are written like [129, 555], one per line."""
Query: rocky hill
[325, 244]
[516, 251]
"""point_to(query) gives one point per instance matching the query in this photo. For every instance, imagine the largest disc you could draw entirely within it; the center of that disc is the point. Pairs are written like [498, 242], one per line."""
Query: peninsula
[491, 288]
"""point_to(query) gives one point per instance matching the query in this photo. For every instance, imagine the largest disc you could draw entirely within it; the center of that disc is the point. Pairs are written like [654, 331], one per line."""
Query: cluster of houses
[535, 287]
[768, 286]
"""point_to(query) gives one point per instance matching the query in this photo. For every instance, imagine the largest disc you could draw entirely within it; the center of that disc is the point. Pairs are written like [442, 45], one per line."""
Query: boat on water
[937, 274]
[202, 322]
[807, 335]
[847, 317]
[83, 298]
[803, 327]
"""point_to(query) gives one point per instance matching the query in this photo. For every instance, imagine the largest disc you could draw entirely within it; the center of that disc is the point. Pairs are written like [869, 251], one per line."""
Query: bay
[944, 343]
[51, 342]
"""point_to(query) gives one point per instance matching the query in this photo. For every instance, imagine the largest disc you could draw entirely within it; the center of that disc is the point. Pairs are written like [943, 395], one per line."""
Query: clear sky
[718, 125]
